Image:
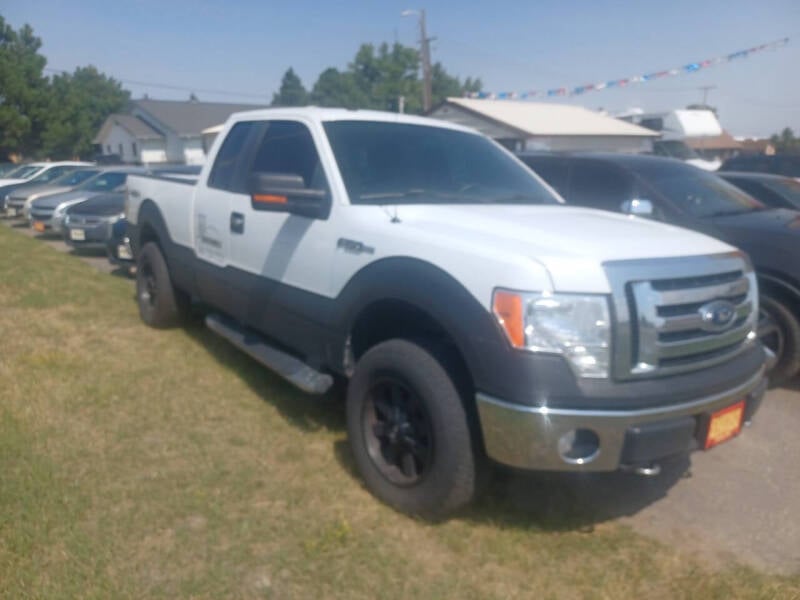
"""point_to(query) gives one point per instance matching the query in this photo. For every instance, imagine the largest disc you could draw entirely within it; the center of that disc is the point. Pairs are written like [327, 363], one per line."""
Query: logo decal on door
[209, 242]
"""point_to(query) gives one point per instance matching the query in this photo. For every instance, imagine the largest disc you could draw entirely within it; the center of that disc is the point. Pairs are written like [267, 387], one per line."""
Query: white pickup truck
[472, 316]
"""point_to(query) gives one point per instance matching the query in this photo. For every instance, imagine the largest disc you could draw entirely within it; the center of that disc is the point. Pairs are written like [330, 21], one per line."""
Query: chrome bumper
[528, 437]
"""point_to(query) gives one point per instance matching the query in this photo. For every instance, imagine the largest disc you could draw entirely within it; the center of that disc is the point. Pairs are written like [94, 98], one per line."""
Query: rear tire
[779, 330]
[409, 431]
[160, 304]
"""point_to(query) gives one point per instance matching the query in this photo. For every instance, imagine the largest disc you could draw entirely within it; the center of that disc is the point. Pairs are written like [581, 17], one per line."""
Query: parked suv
[674, 192]
[778, 164]
[468, 312]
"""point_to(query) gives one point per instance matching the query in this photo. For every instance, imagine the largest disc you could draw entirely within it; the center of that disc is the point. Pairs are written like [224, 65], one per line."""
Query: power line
[179, 88]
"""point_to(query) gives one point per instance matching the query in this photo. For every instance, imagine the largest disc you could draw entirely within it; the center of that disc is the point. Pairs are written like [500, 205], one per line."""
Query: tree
[334, 88]
[292, 92]
[22, 89]
[79, 104]
[786, 141]
[378, 77]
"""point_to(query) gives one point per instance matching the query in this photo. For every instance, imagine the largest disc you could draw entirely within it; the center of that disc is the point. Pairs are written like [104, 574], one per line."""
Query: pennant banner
[618, 83]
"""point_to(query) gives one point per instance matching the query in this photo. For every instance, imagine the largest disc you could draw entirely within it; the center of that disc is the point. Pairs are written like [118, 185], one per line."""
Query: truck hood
[572, 243]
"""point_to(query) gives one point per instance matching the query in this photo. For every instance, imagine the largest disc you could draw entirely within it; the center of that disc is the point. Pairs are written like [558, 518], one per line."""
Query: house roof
[189, 117]
[724, 141]
[136, 127]
[538, 118]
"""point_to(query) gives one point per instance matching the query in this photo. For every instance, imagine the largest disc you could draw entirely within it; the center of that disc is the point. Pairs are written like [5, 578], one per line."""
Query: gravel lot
[740, 500]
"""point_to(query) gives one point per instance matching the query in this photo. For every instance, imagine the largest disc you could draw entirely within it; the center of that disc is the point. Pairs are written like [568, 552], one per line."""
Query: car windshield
[398, 163]
[23, 172]
[674, 149]
[75, 177]
[700, 193]
[787, 188]
[104, 182]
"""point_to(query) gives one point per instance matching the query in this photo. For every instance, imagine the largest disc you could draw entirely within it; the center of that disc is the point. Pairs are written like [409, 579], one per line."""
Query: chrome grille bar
[662, 310]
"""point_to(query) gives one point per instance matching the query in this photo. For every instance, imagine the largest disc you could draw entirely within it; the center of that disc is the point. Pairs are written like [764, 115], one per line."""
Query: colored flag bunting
[619, 83]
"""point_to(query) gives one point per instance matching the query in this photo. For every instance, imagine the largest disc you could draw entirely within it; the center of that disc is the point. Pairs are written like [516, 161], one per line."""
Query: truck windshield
[699, 193]
[399, 163]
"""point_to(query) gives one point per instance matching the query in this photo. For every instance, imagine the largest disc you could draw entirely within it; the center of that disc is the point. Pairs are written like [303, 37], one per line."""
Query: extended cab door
[284, 260]
[213, 220]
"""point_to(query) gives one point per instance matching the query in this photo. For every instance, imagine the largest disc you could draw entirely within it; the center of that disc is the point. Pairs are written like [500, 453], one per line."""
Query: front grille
[81, 220]
[41, 214]
[679, 315]
[16, 201]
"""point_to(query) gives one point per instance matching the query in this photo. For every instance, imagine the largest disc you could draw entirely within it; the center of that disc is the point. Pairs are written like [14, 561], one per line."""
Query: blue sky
[243, 47]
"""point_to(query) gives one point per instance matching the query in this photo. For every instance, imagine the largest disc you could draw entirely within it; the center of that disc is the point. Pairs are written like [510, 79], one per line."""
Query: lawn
[137, 463]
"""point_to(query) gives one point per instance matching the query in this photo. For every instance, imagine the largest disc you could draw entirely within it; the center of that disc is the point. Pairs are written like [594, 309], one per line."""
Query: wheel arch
[411, 298]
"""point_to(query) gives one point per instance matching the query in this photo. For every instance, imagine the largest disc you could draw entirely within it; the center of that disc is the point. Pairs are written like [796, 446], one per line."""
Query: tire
[779, 330]
[409, 431]
[160, 304]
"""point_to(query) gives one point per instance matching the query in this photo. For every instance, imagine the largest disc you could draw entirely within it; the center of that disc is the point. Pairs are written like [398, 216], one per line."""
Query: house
[756, 146]
[540, 126]
[163, 131]
[717, 147]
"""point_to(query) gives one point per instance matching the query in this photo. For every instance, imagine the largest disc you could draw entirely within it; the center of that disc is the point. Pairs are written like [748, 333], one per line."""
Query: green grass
[137, 463]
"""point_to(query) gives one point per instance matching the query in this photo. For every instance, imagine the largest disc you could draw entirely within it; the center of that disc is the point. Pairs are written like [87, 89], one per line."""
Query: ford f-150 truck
[472, 316]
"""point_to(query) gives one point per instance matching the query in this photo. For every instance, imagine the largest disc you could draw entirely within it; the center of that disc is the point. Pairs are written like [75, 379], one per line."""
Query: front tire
[409, 431]
[779, 330]
[160, 304]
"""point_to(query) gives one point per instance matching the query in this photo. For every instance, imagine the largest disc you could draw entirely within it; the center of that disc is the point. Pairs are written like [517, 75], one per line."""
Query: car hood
[11, 181]
[101, 205]
[769, 220]
[570, 242]
[52, 201]
[771, 237]
[25, 191]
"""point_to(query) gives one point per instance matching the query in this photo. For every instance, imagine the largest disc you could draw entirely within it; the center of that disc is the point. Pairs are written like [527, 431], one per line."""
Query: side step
[293, 370]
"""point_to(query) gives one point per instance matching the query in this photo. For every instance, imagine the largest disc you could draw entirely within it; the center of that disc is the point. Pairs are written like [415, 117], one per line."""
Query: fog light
[579, 446]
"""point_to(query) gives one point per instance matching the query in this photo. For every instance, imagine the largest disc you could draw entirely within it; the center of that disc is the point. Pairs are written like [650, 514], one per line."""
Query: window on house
[121, 151]
[133, 149]
[108, 148]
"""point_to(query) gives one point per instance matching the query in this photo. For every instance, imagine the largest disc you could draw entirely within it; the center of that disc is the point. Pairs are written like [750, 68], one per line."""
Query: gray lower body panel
[528, 437]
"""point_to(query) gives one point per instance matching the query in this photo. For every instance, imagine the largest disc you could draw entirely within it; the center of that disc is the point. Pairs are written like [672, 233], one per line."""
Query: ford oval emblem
[717, 315]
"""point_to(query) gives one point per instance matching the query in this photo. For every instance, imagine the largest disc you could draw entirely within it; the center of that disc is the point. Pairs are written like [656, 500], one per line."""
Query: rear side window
[599, 185]
[288, 148]
[227, 163]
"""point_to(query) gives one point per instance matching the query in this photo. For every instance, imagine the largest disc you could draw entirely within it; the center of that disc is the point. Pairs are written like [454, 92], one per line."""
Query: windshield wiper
[730, 213]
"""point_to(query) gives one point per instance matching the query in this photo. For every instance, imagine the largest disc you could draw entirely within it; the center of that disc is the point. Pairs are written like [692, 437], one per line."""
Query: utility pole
[425, 58]
[705, 89]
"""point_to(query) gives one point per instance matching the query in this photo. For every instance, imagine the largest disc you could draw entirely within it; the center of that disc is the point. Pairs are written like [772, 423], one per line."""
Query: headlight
[576, 326]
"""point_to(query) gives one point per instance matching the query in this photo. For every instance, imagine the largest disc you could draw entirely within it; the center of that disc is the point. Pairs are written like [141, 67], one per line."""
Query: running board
[290, 368]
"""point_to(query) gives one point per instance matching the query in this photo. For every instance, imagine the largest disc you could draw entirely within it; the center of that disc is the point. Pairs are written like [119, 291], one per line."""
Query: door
[213, 221]
[284, 260]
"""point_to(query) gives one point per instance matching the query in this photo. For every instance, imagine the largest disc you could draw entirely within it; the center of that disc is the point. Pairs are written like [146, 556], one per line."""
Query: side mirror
[637, 207]
[286, 192]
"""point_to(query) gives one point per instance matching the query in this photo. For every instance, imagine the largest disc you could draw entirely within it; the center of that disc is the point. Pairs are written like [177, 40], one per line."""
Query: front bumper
[90, 235]
[529, 437]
